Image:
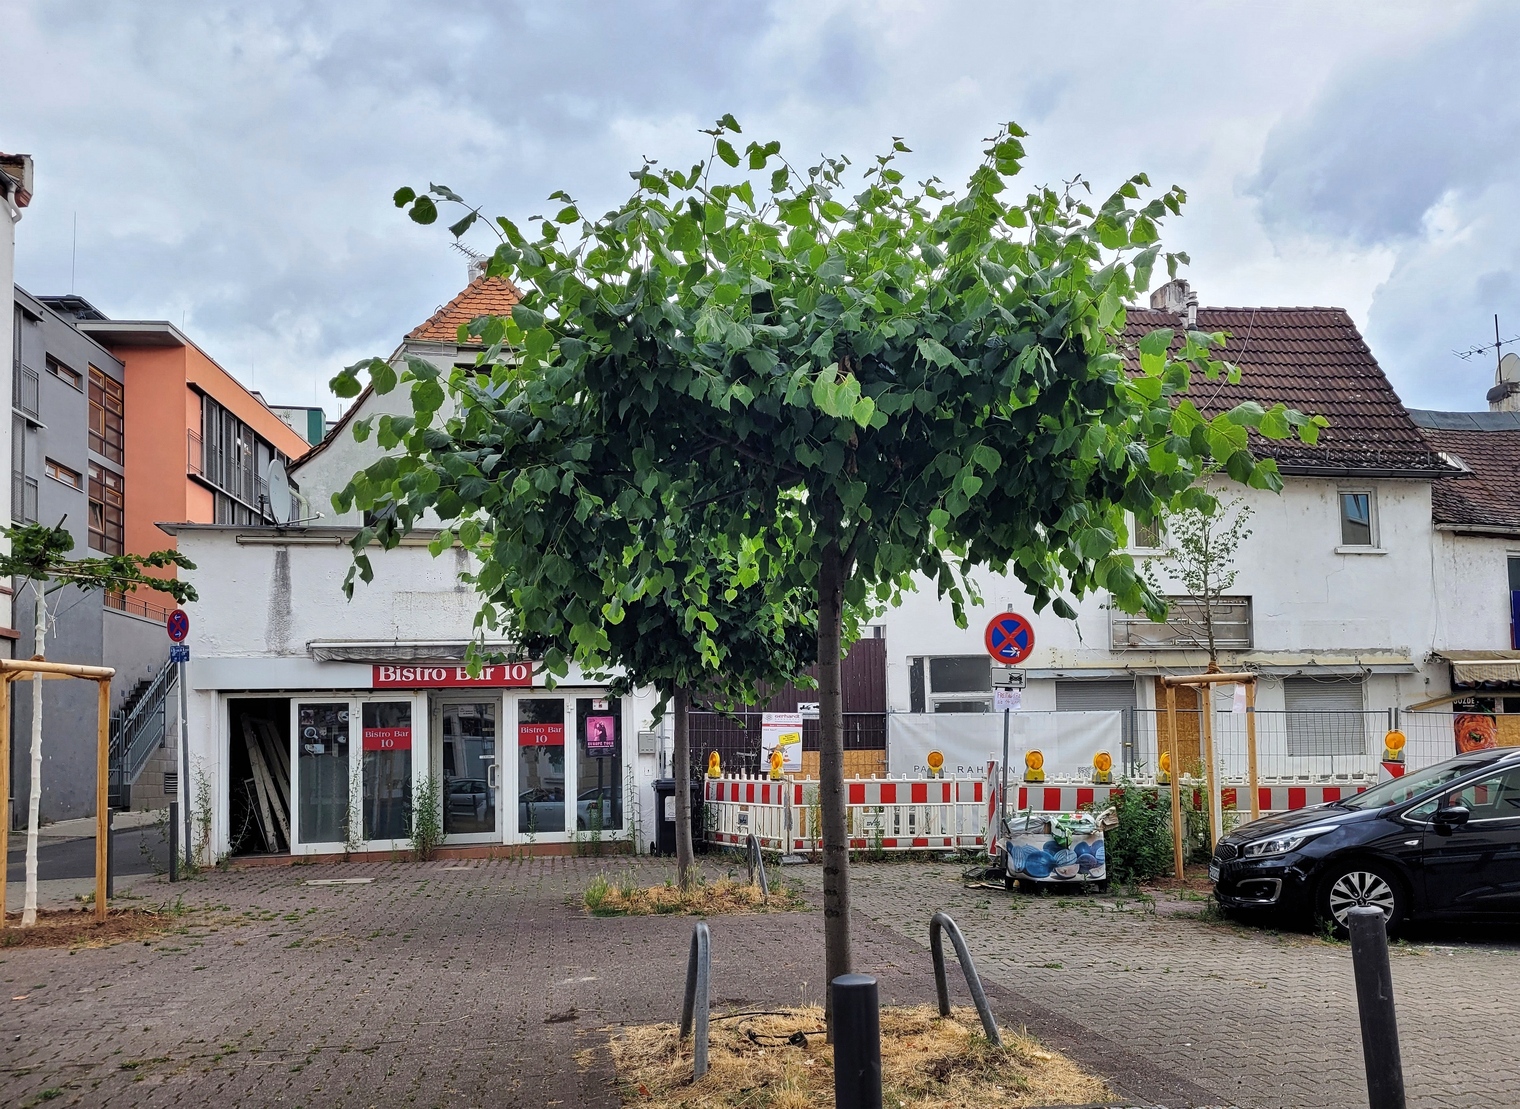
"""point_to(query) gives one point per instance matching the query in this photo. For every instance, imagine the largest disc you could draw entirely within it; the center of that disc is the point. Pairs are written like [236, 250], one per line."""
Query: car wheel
[1009, 882]
[1360, 883]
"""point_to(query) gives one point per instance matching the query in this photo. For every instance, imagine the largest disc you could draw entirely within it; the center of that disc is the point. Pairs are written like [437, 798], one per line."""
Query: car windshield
[1413, 785]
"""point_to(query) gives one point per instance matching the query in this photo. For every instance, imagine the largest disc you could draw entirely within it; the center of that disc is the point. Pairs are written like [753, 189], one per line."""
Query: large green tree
[927, 380]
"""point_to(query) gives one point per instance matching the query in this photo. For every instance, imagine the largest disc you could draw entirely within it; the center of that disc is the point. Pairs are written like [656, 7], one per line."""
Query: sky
[229, 167]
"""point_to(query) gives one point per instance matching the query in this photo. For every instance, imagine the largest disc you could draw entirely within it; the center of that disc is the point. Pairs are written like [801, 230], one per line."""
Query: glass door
[598, 765]
[470, 784]
[321, 735]
[540, 766]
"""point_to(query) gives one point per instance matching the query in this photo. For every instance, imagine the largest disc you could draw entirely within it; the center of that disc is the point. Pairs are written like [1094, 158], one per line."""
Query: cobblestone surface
[477, 983]
[1259, 1019]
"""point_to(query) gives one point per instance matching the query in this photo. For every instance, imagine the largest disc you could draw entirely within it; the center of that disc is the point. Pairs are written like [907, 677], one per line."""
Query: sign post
[1009, 639]
[178, 627]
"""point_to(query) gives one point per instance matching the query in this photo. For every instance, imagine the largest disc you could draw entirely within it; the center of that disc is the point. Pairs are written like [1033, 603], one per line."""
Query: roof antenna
[478, 261]
[1501, 398]
[74, 253]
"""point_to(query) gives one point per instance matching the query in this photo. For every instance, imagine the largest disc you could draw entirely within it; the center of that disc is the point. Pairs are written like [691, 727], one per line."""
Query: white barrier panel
[890, 814]
[969, 740]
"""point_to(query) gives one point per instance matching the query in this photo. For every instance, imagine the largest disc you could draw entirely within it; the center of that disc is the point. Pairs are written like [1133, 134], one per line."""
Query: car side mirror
[1453, 815]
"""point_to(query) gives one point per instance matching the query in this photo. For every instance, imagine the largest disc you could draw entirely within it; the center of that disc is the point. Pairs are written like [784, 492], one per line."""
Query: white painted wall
[1472, 580]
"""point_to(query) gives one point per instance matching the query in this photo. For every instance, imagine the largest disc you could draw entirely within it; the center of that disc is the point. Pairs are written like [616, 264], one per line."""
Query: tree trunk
[680, 769]
[34, 803]
[831, 790]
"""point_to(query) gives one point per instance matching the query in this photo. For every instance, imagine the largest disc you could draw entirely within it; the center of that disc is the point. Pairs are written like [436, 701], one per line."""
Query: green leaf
[404, 196]
[525, 317]
[424, 211]
[727, 152]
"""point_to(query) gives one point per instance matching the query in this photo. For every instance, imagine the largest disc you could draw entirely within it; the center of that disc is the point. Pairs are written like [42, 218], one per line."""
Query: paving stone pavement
[478, 983]
[1262, 1020]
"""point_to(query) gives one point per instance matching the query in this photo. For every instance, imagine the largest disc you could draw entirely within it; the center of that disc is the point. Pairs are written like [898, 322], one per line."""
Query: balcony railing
[1186, 626]
[195, 459]
[26, 392]
[23, 499]
[134, 606]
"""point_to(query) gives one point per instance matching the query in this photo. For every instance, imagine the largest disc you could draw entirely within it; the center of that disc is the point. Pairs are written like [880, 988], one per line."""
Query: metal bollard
[695, 1002]
[942, 922]
[174, 841]
[857, 1042]
[756, 863]
[1374, 1001]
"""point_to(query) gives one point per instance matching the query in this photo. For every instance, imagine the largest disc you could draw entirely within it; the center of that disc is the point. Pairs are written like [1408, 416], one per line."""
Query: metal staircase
[137, 731]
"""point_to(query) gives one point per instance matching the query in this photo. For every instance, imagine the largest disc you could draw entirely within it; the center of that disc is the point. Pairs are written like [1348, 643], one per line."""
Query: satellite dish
[1509, 369]
[279, 492]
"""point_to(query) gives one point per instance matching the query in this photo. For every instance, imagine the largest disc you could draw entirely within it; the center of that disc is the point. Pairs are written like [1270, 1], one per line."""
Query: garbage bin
[665, 822]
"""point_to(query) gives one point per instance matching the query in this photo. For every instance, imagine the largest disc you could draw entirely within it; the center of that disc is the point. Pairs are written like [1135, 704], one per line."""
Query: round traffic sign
[1009, 638]
[178, 625]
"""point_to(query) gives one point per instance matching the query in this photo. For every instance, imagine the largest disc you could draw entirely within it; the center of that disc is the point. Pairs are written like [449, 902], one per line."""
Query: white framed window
[1358, 515]
[1146, 534]
[951, 683]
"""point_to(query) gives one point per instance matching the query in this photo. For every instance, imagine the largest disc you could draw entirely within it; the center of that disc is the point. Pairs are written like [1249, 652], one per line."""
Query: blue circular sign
[1010, 638]
[178, 625]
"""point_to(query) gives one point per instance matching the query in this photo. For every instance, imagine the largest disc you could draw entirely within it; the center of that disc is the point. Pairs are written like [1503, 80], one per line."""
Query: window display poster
[601, 735]
[782, 730]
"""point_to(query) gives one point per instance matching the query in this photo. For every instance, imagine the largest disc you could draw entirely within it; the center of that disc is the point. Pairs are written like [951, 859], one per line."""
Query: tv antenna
[469, 252]
[1497, 346]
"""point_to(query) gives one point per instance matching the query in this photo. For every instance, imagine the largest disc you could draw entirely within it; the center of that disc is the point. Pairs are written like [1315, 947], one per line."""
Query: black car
[1439, 842]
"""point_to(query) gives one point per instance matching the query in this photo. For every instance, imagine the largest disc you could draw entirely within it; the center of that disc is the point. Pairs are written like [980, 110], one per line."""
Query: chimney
[476, 269]
[1175, 297]
[1505, 395]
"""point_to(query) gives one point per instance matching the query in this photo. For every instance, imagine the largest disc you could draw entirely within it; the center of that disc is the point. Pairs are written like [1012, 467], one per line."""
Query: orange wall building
[198, 444]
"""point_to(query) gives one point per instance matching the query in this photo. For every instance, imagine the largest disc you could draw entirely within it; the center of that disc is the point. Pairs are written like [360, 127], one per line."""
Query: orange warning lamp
[714, 765]
[936, 762]
[1393, 746]
[1103, 768]
[1034, 767]
[777, 761]
[1164, 778]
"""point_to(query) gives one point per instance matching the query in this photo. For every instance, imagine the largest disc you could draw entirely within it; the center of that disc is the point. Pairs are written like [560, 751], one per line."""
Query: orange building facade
[198, 444]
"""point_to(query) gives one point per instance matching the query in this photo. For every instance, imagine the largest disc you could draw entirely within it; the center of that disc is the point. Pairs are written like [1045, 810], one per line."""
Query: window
[1324, 716]
[1146, 534]
[956, 683]
[107, 501]
[1356, 519]
[107, 405]
[1514, 602]
[63, 373]
[59, 472]
[1186, 627]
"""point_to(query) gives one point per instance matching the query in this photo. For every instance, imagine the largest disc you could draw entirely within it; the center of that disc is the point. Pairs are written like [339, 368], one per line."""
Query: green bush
[1140, 847]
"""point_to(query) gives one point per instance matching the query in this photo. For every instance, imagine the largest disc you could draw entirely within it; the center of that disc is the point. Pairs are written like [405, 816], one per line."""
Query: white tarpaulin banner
[1068, 740]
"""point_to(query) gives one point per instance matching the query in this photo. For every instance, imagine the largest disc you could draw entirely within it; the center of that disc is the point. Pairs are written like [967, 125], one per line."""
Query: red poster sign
[388, 739]
[540, 735]
[449, 676]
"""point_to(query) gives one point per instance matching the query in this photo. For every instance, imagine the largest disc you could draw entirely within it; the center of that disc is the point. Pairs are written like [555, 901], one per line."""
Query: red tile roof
[1488, 444]
[1311, 359]
[484, 296]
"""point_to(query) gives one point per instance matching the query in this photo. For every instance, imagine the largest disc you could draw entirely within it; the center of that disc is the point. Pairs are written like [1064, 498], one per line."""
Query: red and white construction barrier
[937, 814]
[893, 814]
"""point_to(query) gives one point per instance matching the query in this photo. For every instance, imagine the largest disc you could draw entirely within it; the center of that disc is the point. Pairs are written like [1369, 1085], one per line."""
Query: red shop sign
[449, 676]
[388, 739]
[540, 735]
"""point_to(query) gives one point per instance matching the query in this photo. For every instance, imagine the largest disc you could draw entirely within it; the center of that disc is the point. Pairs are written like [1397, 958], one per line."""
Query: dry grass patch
[781, 1060]
[79, 928]
[724, 895]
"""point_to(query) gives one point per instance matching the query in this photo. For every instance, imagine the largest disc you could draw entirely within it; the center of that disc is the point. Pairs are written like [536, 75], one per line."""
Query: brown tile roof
[1488, 444]
[484, 296]
[1314, 360]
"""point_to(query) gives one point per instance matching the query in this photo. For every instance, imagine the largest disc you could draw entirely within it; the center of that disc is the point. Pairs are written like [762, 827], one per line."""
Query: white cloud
[235, 165]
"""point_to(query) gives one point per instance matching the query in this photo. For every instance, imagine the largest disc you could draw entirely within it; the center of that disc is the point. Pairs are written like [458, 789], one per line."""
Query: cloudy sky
[230, 165]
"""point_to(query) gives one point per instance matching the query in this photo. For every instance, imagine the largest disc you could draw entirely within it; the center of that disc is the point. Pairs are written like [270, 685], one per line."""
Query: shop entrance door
[541, 799]
[471, 776]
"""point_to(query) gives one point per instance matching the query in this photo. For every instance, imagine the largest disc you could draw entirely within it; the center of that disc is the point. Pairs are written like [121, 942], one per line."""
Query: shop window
[107, 415]
[951, 683]
[385, 731]
[599, 764]
[1357, 523]
[322, 771]
[107, 510]
[540, 765]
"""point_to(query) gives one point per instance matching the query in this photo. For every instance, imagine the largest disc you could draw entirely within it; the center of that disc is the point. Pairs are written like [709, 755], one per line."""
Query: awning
[351, 650]
[1482, 669]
